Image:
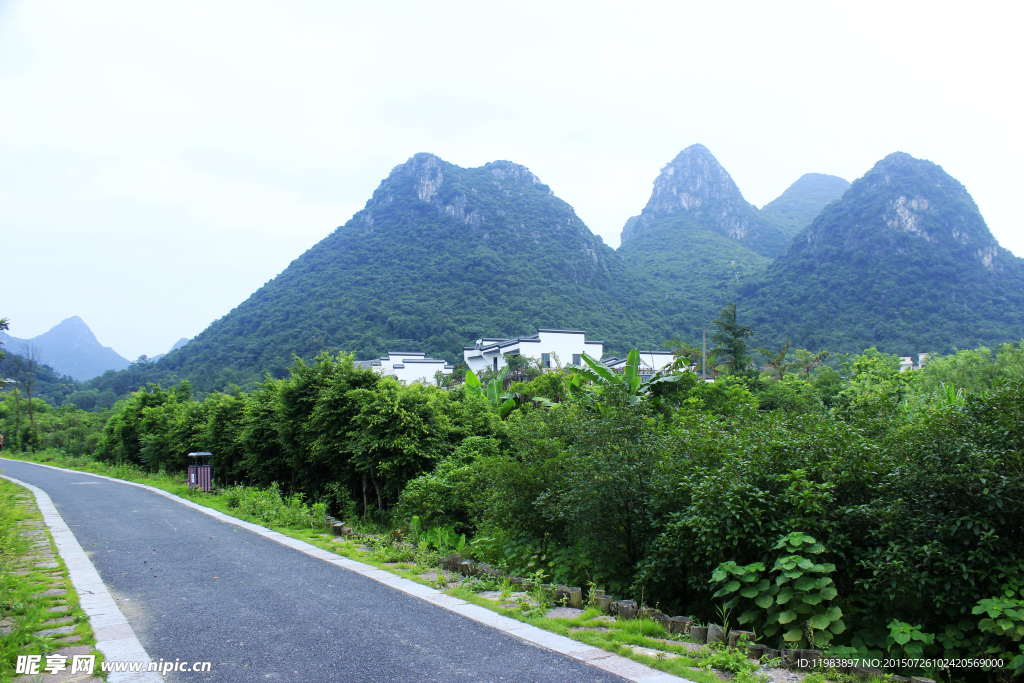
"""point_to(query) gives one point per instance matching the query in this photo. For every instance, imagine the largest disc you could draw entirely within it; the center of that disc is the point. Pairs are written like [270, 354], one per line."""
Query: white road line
[593, 656]
[114, 635]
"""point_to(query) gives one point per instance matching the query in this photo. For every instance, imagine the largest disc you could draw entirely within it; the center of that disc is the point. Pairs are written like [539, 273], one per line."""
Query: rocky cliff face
[488, 203]
[905, 205]
[696, 186]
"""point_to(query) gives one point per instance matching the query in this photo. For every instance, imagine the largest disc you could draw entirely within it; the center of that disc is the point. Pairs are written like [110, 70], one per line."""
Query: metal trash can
[200, 471]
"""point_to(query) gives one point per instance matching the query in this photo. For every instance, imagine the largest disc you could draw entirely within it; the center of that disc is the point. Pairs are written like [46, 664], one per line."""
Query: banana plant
[602, 377]
[503, 405]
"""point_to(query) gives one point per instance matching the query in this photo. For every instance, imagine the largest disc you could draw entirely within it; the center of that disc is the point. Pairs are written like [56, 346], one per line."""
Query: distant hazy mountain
[794, 209]
[903, 261]
[70, 348]
[177, 345]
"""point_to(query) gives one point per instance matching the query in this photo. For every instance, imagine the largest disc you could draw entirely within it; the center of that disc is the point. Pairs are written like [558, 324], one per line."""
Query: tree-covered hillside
[904, 261]
[440, 256]
[794, 209]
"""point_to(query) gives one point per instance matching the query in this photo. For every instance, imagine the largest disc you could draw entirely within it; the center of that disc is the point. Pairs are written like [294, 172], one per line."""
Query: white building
[553, 348]
[907, 362]
[408, 367]
[650, 362]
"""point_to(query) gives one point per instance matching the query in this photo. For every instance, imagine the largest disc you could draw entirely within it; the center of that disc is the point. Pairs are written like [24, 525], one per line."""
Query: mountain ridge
[439, 256]
[903, 261]
[71, 349]
[801, 202]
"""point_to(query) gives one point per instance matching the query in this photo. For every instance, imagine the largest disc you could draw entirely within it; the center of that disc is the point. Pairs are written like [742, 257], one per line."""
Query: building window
[545, 360]
[576, 360]
[495, 363]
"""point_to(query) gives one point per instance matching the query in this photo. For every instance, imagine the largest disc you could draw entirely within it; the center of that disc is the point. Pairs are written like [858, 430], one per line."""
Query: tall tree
[807, 361]
[26, 365]
[777, 363]
[4, 325]
[733, 339]
[682, 349]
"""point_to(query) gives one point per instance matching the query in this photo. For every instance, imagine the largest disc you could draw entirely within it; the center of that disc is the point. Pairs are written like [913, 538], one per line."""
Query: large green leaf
[631, 371]
[811, 599]
[784, 595]
[494, 391]
[598, 367]
[507, 407]
[793, 635]
[748, 616]
[787, 616]
[828, 593]
[749, 592]
[731, 586]
[764, 601]
[472, 382]
[804, 583]
[837, 626]
[820, 621]
[822, 638]
[834, 613]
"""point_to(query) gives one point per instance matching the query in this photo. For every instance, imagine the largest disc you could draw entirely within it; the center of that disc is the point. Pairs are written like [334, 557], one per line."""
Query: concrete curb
[594, 656]
[114, 635]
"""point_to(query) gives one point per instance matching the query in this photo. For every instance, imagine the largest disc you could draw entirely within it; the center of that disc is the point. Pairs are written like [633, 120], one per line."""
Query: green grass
[21, 605]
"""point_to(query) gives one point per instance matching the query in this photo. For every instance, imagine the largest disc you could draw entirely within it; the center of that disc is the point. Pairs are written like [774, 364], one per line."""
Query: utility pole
[704, 354]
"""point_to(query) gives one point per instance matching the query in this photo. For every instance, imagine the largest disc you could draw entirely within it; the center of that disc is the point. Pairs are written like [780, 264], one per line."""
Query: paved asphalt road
[272, 613]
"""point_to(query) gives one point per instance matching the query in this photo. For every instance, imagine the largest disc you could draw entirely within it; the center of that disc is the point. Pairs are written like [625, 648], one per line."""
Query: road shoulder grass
[39, 609]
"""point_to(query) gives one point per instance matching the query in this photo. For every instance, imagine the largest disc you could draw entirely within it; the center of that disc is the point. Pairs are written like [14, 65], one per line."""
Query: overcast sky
[160, 161]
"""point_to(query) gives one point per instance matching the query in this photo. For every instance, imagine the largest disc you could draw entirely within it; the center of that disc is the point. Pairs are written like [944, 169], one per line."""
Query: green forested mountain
[904, 261]
[794, 209]
[440, 256]
[694, 192]
[697, 237]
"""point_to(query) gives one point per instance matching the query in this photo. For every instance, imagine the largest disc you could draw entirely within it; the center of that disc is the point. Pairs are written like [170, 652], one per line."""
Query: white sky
[159, 161]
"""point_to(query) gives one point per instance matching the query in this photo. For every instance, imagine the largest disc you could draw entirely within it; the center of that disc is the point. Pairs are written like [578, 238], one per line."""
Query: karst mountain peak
[695, 187]
[903, 261]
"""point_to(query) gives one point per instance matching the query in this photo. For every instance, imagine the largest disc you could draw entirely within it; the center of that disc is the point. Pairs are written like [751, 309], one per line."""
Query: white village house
[552, 348]
[408, 367]
[907, 362]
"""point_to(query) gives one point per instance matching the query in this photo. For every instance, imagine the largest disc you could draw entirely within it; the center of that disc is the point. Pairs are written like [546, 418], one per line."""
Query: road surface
[198, 589]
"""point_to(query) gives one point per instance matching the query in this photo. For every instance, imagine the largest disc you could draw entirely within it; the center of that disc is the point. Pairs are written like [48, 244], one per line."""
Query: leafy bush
[796, 601]
[268, 506]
